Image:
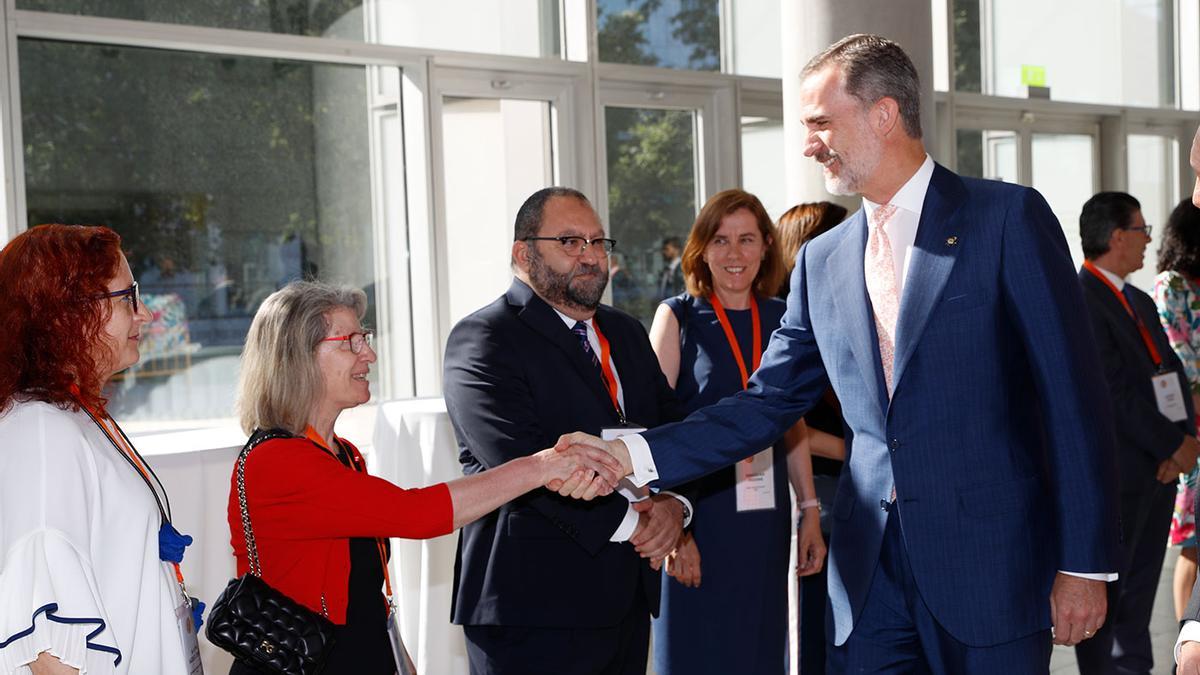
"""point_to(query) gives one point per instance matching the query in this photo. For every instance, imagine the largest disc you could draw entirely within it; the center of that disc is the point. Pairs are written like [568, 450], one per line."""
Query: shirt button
[894, 444]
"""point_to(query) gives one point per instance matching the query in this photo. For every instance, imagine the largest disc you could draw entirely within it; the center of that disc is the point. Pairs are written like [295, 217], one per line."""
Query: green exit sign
[1033, 76]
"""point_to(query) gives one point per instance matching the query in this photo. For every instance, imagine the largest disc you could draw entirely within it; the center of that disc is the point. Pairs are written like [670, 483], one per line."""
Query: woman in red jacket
[320, 522]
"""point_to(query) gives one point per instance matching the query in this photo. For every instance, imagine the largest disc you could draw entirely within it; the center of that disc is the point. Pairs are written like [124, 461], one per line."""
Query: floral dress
[1178, 300]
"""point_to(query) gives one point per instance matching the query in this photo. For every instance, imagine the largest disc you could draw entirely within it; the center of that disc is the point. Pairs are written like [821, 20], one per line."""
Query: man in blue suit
[976, 509]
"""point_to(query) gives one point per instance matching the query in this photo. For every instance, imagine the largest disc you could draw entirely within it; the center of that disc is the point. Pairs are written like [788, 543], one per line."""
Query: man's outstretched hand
[578, 485]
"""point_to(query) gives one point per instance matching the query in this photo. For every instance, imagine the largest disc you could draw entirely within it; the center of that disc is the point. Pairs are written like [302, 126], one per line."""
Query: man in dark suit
[547, 584]
[1154, 424]
[670, 279]
[976, 508]
[1187, 647]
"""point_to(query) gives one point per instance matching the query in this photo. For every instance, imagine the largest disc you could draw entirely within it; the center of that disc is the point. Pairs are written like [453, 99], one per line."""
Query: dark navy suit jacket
[997, 438]
[1144, 437]
[515, 380]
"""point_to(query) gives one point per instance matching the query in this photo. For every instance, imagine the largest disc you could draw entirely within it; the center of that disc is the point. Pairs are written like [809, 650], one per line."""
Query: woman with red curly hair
[89, 576]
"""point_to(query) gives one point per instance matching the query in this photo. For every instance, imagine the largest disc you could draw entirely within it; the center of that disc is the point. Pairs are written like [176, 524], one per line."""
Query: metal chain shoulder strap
[259, 436]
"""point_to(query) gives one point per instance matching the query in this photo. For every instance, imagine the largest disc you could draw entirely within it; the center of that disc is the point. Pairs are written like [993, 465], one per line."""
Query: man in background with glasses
[548, 584]
[1154, 420]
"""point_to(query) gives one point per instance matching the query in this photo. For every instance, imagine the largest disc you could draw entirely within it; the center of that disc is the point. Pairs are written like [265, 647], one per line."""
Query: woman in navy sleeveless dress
[730, 614]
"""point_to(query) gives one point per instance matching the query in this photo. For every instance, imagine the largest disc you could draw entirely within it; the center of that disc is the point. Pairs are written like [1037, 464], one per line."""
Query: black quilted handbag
[259, 625]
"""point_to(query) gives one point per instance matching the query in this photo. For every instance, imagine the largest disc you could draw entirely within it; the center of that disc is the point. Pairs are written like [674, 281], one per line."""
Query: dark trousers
[813, 599]
[896, 633]
[1122, 645]
[517, 650]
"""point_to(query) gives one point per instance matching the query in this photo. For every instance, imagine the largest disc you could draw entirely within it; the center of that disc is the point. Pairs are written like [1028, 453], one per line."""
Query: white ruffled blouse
[79, 569]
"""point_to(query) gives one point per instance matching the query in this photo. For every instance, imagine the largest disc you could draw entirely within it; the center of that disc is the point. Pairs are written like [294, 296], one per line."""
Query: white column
[811, 26]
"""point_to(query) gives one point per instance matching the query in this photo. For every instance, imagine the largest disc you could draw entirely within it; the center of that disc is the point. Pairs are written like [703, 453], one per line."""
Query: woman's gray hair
[280, 383]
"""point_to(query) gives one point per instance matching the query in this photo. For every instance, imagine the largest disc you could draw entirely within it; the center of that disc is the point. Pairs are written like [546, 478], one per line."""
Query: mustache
[584, 268]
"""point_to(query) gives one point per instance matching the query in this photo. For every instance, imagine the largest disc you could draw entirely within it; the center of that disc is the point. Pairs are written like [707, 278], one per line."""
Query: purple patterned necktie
[580, 330]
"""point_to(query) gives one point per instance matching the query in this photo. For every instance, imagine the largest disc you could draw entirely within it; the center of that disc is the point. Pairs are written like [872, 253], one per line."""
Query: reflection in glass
[293, 17]
[967, 52]
[762, 163]
[1063, 173]
[497, 152]
[652, 193]
[226, 178]
[684, 34]
[511, 27]
[990, 154]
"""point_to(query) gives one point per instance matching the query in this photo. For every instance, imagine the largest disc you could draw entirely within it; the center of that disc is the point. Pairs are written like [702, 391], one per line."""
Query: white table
[414, 446]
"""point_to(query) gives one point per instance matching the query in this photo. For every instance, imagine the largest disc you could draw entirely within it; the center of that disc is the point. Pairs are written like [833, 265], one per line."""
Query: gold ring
[1087, 633]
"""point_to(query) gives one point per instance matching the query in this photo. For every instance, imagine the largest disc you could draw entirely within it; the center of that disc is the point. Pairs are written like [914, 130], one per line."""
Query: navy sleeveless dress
[736, 621]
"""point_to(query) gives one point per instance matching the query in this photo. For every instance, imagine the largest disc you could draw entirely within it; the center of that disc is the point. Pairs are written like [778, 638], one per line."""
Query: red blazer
[305, 505]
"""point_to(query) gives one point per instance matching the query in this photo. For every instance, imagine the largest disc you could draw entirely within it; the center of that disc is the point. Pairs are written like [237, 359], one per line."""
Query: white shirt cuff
[1189, 633]
[1096, 576]
[644, 470]
[629, 523]
[627, 526]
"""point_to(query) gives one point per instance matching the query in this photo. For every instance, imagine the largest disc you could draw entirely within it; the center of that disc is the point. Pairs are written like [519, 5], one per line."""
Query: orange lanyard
[312, 435]
[733, 344]
[610, 380]
[1154, 355]
[121, 442]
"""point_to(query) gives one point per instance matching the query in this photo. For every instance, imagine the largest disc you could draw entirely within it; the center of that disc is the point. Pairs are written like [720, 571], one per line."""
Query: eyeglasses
[1146, 229]
[357, 340]
[130, 295]
[575, 246]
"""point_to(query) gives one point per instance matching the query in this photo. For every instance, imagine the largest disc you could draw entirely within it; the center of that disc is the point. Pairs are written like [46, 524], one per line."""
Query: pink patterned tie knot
[883, 288]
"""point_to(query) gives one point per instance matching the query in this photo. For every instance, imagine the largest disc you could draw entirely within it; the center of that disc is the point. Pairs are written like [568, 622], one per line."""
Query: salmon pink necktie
[882, 288]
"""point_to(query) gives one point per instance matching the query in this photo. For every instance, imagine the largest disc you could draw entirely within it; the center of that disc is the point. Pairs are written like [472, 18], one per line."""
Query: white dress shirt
[629, 491]
[902, 234]
[1114, 279]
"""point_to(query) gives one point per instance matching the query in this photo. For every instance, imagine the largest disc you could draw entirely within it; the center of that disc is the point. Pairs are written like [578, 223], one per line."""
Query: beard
[854, 167]
[568, 289]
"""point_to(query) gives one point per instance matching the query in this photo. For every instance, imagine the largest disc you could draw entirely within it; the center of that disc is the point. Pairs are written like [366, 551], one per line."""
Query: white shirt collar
[1116, 280]
[911, 195]
[569, 321]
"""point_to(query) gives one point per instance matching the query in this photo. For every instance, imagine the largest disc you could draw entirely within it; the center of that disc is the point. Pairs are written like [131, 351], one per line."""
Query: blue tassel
[197, 614]
[171, 544]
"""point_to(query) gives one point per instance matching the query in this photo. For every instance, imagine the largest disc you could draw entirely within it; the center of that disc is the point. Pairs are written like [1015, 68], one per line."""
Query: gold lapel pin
[951, 241]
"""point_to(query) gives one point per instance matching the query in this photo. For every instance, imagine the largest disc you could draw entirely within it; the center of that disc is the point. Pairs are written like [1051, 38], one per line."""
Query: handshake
[583, 466]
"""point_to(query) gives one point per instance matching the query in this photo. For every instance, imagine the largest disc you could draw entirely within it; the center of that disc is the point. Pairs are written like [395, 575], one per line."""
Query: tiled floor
[1163, 628]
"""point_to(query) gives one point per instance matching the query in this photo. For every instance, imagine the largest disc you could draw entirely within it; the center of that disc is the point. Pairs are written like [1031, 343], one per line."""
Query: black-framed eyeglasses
[575, 246]
[365, 338]
[130, 295]
[1146, 229]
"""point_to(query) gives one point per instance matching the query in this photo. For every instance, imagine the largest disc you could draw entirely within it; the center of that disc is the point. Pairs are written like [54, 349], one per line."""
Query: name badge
[404, 662]
[187, 634]
[1169, 396]
[626, 488]
[755, 487]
